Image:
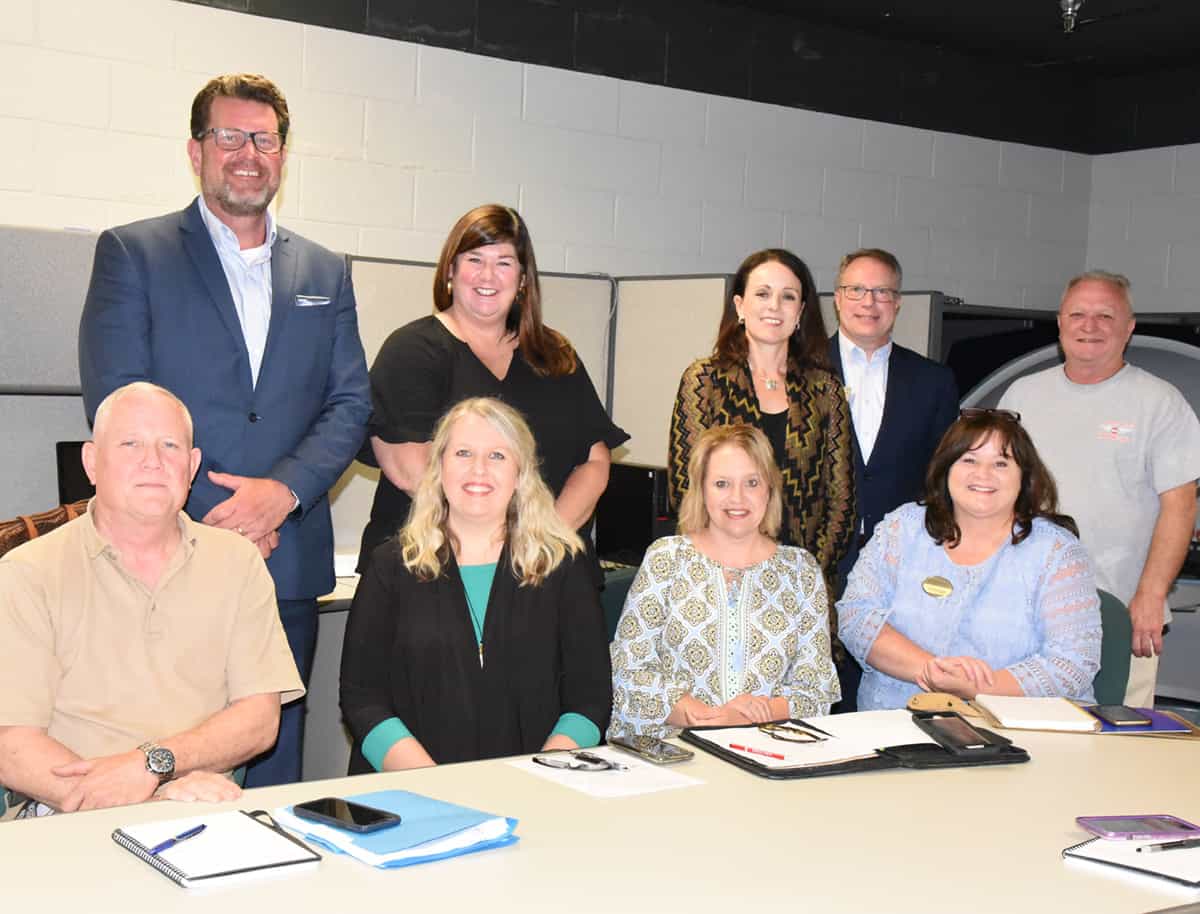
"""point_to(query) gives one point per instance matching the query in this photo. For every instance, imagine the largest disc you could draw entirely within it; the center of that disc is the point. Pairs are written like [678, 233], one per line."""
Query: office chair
[27, 526]
[1113, 675]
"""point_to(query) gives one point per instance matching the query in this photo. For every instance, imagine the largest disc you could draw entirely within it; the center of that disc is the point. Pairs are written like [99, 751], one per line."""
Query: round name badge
[937, 586]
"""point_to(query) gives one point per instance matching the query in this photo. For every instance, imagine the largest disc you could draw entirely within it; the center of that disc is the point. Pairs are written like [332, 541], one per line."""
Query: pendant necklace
[477, 624]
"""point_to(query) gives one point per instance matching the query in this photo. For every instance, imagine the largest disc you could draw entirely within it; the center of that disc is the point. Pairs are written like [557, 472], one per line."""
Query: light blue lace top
[1031, 609]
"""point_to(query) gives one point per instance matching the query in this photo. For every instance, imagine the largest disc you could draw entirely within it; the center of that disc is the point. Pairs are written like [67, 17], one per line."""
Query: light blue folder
[423, 819]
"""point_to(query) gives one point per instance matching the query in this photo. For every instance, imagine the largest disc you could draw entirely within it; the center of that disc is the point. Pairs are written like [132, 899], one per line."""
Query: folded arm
[40, 767]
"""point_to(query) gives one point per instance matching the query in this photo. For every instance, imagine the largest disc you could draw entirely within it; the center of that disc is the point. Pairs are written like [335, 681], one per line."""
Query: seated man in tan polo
[143, 654]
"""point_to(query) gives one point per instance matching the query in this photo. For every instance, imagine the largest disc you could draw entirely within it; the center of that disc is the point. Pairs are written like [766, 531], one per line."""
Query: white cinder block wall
[1145, 223]
[392, 141]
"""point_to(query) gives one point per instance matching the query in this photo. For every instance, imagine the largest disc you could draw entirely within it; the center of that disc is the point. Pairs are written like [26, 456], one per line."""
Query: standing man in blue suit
[900, 402]
[255, 329]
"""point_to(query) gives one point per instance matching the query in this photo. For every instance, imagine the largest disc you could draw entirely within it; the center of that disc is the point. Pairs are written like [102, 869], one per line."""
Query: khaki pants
[1143, 676]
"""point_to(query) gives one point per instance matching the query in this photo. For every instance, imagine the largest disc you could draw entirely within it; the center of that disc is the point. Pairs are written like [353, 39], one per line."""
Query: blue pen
[171, 842]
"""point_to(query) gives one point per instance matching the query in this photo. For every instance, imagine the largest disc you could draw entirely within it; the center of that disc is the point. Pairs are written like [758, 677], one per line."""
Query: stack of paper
[1022, 713]
[429, 830]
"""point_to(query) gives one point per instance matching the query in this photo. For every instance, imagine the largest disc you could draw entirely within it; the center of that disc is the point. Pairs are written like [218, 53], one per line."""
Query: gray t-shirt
[1113, 447]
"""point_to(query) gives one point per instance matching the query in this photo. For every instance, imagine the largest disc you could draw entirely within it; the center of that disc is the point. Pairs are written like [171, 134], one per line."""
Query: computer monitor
[73, 484]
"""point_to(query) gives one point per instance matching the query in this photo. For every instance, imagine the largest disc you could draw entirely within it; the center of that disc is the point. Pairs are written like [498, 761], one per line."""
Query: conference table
[958, 840]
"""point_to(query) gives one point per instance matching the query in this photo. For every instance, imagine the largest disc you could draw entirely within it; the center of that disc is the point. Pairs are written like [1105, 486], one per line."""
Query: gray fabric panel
[30, 427]
[43, 281]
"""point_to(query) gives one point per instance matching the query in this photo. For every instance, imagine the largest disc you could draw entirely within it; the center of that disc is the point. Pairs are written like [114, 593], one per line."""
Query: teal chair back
[1113, 676]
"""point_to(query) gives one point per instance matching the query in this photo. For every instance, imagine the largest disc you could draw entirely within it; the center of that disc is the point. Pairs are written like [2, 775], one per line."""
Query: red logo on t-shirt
[1116, 431]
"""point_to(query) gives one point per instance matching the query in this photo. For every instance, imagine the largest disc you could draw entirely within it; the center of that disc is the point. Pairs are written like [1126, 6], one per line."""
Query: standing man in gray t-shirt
[1124, 448]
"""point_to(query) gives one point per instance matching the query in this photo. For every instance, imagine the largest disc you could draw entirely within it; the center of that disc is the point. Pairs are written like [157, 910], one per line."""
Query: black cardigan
[410, 652]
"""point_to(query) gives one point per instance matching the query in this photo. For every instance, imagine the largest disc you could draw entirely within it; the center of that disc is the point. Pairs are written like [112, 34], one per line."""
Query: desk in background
[979, 840]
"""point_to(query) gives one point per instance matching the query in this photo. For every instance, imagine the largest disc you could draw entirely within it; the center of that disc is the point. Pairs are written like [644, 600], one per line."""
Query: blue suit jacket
[159, 308]
[921, 402]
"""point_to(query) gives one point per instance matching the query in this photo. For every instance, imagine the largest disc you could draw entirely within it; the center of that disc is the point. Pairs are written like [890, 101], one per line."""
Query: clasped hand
[256, 510]
[965, 677]
[119, 780]
[743, 709]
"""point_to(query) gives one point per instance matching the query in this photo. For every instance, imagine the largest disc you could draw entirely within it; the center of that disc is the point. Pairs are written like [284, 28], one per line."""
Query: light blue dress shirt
[249, 274]
[1031, 609]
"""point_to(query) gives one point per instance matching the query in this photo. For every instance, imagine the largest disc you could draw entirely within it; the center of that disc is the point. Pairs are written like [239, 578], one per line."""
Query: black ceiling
[1111, 37]
[1128, 77]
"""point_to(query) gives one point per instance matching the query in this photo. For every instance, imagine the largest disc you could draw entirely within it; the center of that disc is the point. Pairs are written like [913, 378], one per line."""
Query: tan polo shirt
[104, 663]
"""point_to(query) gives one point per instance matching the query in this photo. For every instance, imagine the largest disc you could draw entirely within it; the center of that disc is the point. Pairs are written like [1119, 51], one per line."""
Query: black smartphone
[958, 732]
[343, 814]
[1121, 715]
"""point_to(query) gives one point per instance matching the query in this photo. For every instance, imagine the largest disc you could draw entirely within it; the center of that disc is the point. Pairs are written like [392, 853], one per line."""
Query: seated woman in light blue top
[981, 587]
[722, 625]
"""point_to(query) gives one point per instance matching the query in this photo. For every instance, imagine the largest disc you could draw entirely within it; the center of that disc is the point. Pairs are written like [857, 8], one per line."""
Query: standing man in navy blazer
[900, 402]
[255, 329]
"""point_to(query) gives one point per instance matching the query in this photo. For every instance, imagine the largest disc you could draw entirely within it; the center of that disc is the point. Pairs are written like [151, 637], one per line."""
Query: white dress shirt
[249, 275]
[866, 388]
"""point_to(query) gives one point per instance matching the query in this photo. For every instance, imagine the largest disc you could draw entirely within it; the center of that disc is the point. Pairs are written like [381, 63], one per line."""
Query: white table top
[964, 840]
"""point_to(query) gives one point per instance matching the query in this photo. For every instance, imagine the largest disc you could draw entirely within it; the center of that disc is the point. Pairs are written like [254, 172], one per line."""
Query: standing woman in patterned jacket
[769, 369]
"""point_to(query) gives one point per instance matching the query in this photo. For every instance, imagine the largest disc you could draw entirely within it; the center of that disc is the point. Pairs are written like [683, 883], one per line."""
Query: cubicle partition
[43, 281]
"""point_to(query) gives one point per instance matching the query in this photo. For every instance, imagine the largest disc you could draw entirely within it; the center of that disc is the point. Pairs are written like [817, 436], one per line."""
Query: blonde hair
[693, 514]
[538, 539]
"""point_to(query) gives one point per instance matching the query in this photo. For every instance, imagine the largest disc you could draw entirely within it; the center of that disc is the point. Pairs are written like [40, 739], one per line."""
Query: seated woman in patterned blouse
[982, 586]
[722, 625]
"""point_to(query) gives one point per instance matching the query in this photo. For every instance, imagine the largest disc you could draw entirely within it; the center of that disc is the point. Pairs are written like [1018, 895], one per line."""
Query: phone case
[994, 744]
[1096, 825]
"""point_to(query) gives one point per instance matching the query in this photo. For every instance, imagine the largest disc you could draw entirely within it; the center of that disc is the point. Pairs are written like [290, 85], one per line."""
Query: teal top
[477, 583]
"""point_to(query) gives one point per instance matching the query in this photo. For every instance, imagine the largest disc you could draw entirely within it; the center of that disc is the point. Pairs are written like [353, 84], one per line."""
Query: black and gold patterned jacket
[818, 474]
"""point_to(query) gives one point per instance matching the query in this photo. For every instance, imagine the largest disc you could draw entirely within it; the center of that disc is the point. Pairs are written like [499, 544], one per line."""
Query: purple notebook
[1159, 723]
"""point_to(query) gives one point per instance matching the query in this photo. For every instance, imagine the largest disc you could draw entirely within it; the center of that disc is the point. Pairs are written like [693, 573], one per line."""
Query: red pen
[753, 751]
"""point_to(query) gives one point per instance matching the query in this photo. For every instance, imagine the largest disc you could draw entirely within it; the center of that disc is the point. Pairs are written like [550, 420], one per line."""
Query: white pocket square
[312, 301]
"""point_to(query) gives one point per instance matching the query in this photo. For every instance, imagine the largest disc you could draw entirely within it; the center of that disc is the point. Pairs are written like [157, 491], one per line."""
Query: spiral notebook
[1182, 865]
[232, 846]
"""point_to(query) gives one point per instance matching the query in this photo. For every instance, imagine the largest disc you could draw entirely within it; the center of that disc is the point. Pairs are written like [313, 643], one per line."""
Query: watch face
[160, 761]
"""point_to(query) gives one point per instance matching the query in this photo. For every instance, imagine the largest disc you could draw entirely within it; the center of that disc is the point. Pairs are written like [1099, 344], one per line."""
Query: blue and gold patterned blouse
[687, 629]
[1031, 609]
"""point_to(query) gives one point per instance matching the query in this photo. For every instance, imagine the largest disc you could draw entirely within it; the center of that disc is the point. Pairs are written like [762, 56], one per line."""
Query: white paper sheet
[638, 777]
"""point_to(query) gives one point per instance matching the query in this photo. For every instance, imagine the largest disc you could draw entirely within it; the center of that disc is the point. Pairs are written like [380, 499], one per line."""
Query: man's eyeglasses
[789, 732]
[880, 293]
[978, 412]
[578, 760]
[232, 139]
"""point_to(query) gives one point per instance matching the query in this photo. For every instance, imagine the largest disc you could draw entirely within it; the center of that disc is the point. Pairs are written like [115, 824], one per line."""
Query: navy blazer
[921, 402]
[159, 309]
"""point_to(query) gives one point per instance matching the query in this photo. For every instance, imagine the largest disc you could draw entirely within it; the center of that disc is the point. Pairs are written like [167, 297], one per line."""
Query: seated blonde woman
[980, 587]
[478, 632]
[723, 625]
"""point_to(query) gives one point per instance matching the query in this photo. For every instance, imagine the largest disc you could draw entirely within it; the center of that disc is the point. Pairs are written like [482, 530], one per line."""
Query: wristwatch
[160, 761]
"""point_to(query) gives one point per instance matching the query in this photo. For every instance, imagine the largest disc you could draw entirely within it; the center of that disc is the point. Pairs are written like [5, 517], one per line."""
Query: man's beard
[254, 204]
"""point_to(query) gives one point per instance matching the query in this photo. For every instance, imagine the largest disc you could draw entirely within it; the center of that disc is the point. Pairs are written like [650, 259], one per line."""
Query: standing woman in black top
[486, 338]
